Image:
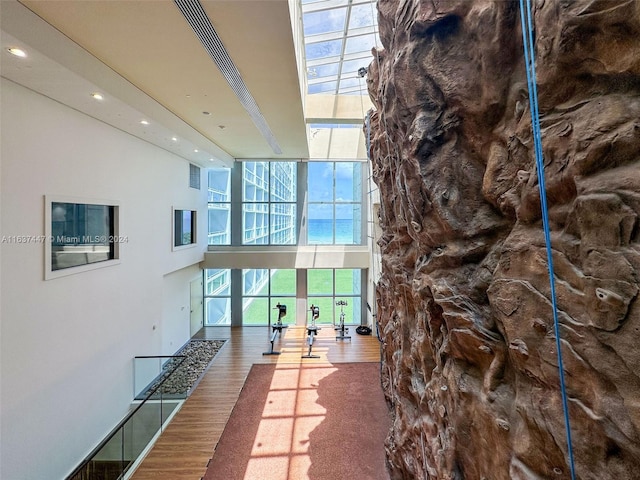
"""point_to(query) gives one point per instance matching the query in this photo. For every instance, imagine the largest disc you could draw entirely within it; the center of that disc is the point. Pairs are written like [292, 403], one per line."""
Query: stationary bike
[342, 331]
[312, 330]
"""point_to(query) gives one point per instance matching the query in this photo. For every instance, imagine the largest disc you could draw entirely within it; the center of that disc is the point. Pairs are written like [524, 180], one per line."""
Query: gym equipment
[277, 328]
[342, 331]
[312, 330]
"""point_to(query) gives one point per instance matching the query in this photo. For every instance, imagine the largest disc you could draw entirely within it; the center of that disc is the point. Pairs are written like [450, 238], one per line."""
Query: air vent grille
[197, 18]
[194, 176]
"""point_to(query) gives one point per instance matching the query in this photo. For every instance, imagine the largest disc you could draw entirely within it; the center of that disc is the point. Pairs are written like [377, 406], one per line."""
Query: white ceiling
[145, 59]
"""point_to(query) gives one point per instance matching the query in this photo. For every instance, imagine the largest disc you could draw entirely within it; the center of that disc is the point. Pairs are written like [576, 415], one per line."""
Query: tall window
[326, 287]
[334, 203]
[269, 203]
[217, 294]
[219, 198]
[263, 290]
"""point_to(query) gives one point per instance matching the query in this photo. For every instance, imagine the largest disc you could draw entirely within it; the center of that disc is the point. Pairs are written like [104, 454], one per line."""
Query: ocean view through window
[267, 210]
[321, 230]
[335, 203]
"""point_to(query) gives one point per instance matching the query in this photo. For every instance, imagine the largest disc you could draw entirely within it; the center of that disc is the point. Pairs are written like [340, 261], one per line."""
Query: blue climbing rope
[529, 56]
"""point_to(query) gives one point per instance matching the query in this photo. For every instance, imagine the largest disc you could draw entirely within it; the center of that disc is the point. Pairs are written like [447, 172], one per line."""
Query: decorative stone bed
[180, 383]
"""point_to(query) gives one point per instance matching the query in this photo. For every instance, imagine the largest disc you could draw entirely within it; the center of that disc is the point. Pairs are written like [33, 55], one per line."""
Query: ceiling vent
[201, 25]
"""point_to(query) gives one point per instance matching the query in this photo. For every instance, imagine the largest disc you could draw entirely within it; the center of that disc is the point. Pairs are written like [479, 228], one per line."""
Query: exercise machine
[340, 329]
[312, 330]
[277, 328]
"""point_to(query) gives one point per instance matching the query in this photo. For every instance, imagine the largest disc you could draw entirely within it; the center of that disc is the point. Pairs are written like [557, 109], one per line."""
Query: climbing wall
[470, 365]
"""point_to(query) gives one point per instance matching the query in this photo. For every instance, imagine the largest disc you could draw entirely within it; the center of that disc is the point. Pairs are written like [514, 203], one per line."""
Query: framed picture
[80, 235]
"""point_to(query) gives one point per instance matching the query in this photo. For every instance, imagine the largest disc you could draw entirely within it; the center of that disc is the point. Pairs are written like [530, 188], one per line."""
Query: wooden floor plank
[185, 447]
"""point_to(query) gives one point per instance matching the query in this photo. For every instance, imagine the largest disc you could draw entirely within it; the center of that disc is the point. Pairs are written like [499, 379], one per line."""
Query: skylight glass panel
[363, 15]
[323, 49]
[321, 71]
[326, 21]
[315, 88]
[347, 83]
[360, 44]
[339, 36]
[353, 66]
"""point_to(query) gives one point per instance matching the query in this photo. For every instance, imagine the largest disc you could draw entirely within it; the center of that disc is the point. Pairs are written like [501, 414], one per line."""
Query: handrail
[122, 422]
[164, 376]
[159, 356]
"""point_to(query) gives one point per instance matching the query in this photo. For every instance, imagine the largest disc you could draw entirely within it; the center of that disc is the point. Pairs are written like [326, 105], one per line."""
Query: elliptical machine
[312, 330]
[277, 328]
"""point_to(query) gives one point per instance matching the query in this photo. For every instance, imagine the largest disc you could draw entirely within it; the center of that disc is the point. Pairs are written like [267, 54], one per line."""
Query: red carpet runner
[299, 422]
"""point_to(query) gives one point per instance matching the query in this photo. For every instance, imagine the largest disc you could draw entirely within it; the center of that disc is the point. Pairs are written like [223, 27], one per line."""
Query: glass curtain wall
[217, 295]
[268, 217]
[269, 203]
[263, 290]
[326, 287]
[334, 203]
[219, 207]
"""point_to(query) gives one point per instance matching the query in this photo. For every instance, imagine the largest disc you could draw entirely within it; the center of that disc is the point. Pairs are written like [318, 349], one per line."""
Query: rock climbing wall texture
[464, 305]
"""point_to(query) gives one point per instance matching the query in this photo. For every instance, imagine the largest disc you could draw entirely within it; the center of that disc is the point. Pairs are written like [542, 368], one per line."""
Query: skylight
[338, 36]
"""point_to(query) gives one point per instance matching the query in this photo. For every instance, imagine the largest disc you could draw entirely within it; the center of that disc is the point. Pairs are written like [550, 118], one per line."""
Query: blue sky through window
[363, 15]
[334, 205]
[330, 182]
[325, 21]
[324, 49]
[320, 184]
[339, 36]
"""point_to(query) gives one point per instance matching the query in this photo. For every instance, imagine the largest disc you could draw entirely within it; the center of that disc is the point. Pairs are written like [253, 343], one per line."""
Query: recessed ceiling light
[211, 159]
[195, 150]
[17, 52]
[97, 96]
[222, 127]
[174, 139]
[144, 122]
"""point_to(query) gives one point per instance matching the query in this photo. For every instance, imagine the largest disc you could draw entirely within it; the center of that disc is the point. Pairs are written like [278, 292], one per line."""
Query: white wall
[176, 317]
[67, 344]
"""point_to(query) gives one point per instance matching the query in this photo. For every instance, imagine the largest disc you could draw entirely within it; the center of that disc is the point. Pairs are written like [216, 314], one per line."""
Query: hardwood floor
[185, 447]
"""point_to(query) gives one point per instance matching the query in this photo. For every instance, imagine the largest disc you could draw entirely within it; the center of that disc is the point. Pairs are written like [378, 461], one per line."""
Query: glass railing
[162, 375]
[157, 388]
